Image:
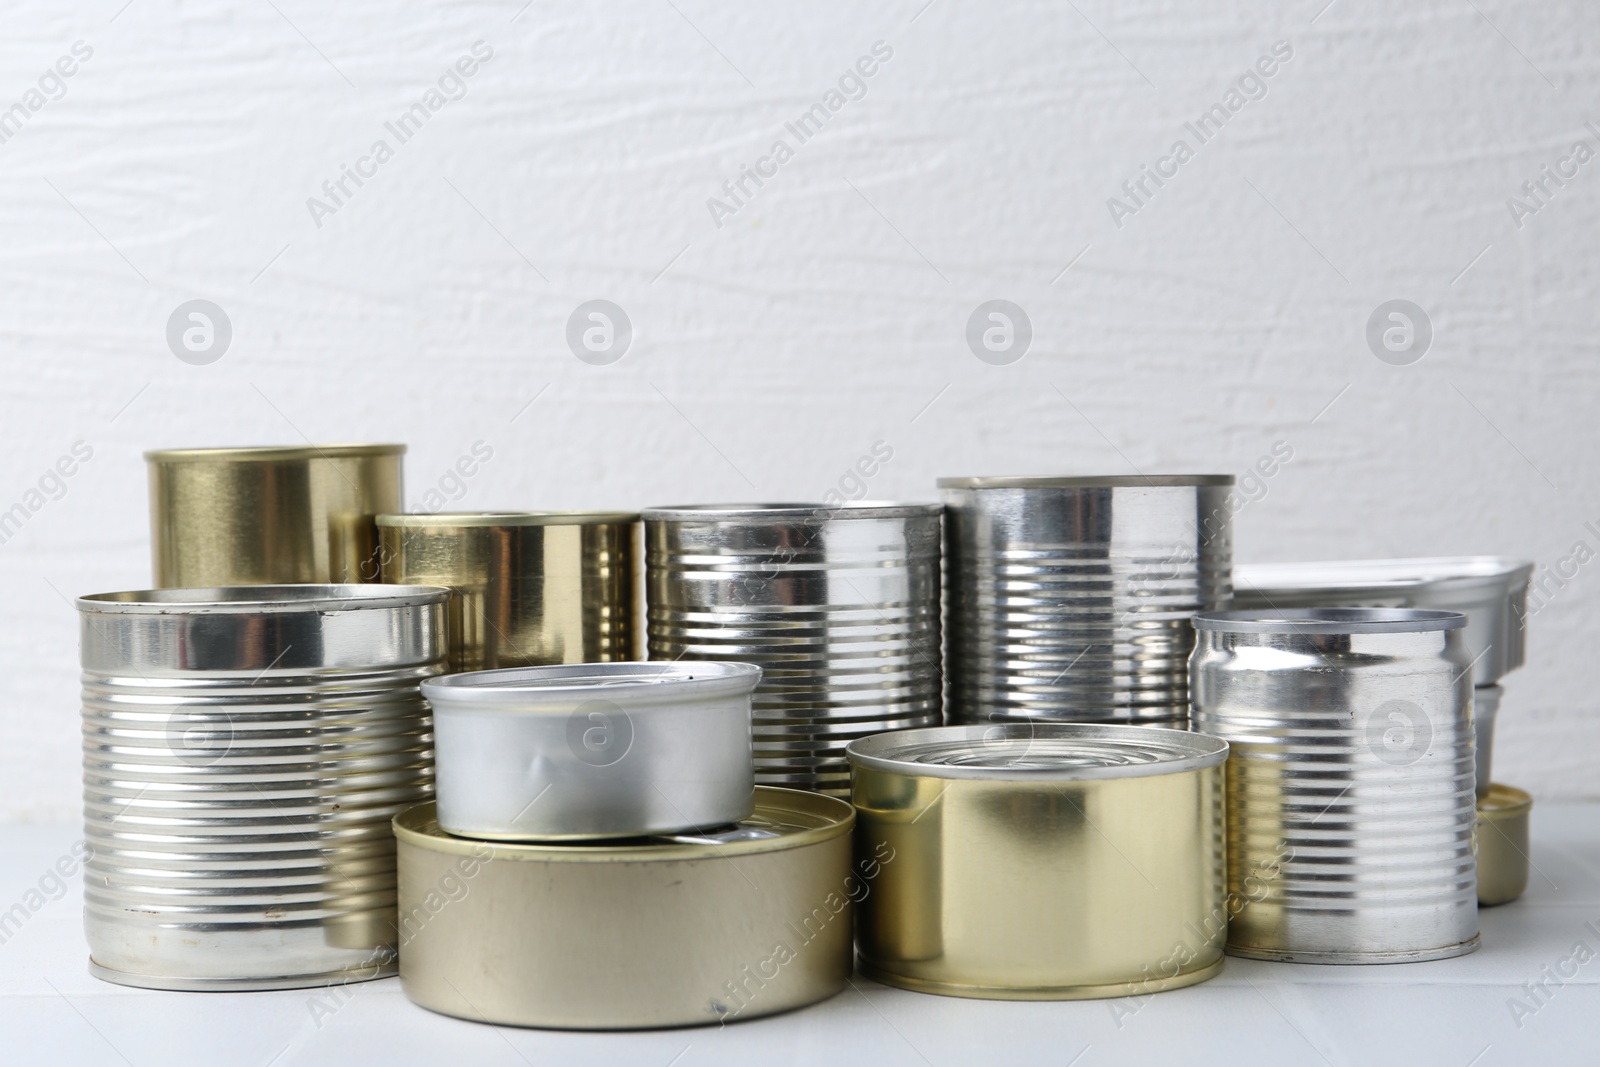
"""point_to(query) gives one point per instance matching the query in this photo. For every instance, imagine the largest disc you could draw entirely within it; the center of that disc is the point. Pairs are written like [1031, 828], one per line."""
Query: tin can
[1491, 591]
[626, 935]
[269, 516]
[1351, 768]
[244, 750]
[1069, 599]
[839, 606]
[1485, 708]
[595, 750]
[1051, 861]
[1503, 844]
[530, 588]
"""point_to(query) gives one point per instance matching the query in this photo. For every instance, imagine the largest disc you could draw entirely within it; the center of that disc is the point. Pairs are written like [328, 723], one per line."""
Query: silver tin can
[244, 750]
[593, 750]
[839, 606]
[1350, 780]
[1485, 708]
[1069, 599]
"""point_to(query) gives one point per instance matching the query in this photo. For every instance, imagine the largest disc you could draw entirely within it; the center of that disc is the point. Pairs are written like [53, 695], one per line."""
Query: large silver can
[838, 606]
[244, 750]
[1350, 780]
[1069, 599]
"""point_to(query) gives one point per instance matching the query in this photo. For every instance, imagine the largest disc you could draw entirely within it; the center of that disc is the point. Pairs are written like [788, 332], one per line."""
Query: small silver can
[1350, 775]
[244, 750]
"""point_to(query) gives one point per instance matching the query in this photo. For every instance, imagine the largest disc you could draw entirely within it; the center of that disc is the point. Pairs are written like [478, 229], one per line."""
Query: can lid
[527, 688]
[1331, 621]
[783, 819]
[1035, 752]
[1380, 577]
[1503, 802]
[455, 519]
[790, 512]
[1093, 481]
[261, 599]
[270, 452]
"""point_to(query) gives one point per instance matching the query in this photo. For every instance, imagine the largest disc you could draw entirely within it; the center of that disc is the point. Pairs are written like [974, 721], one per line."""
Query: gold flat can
[1041, 861]
[275, 515]
[530, 589]
[634, 934]
[1503, 844]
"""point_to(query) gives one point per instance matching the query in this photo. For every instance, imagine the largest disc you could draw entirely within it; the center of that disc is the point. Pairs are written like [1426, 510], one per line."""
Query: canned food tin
[243, 752]
[269, 516]
[1069, 599]
[1491, 591]
[596, 750]
[626, 935]
[530, 588]
[1352, 769]
[838, 605]
[1041, 861]
[1503, 844]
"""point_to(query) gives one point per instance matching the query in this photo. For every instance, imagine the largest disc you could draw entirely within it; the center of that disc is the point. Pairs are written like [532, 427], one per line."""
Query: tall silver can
[1350, 780]
[244, 750]
[839, 606]
[1069, 599]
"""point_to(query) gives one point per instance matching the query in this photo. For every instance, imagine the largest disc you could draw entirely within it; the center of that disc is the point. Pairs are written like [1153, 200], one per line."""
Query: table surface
[1535, 953]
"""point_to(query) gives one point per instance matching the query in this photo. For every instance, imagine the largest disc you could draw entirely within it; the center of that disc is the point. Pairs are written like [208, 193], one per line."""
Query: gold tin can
[530, 589]
[1041, 861]
[623, 935]
[1503, 844]
[276, 515]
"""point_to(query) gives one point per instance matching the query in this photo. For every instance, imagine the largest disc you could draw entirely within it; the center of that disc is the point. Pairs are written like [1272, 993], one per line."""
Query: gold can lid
[473, 519]
[270, 453]
[783, 819]
[1504, 802]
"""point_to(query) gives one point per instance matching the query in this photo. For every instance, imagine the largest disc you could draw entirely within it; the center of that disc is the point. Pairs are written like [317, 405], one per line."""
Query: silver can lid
[1331, 621]
[1032, 752]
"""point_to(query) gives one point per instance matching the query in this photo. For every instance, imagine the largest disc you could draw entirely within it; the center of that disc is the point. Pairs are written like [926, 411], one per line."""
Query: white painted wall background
[822, 317]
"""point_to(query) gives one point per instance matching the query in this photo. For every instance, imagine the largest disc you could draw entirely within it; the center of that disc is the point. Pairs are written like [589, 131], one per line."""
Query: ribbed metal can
[270, 515]
[529, 589]
[1069, 599]
[838, 606]
[1350, 774]
[244, 750]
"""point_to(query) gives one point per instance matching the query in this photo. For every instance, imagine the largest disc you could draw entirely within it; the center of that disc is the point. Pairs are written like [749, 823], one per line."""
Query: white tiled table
[1453, 1012]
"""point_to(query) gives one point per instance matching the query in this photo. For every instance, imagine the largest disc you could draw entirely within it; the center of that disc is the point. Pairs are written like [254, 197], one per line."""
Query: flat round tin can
[1503, 845]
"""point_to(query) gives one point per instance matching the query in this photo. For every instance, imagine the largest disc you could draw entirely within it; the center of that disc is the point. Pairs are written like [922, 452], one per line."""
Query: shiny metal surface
[592, 751]
[838, 606]
[1485, 707]
[529, 588]
[1492, 591]
[1351, 767]
[646, 933]
[1045, 861]
[271, 515]
[1504, 848]
[243, 752]
[1069, 599]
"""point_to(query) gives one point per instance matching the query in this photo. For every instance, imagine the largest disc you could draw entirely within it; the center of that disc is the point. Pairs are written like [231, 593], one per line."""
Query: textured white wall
[1227, 313]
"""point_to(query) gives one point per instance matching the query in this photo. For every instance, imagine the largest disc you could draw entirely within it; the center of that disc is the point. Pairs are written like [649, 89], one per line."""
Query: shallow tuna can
[271, 515]
[838, 606]
[620, 935]
[528, 588]
[1352, 770]
[1503, 844]
[1069, 599]
[244, 750]
[1041, 861]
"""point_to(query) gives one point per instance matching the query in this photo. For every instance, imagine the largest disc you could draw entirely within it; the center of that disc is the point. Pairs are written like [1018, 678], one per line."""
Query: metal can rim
[1383, 576]
[1331, 621]
[1177, 751]
[518, 688]
[268, 453]
[468, 519]
[261, 599]
[767, 513]
[829, 817]
[1089, 481]
[1504, 802]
